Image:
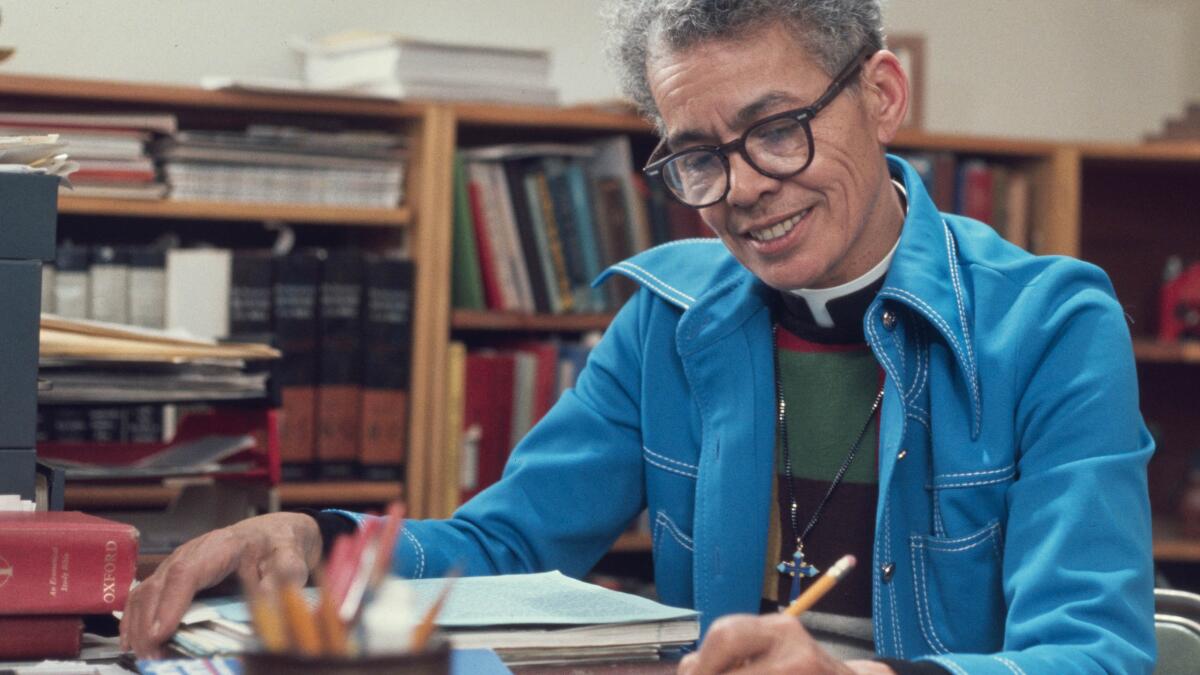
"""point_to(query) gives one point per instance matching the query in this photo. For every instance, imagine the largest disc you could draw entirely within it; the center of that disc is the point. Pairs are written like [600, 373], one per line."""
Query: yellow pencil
[822, 586]
[268, 622]
[334, 637]
[302, 625]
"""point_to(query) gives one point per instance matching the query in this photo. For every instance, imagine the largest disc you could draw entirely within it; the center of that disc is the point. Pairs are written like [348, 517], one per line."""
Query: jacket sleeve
[571, 486]
[1078, 568]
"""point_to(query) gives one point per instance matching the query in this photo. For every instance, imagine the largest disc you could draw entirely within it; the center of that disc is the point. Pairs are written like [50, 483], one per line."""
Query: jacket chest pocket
[958, 592]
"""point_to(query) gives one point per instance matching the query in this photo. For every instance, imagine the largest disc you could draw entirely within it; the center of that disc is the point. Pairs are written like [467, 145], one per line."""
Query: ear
[886, 85]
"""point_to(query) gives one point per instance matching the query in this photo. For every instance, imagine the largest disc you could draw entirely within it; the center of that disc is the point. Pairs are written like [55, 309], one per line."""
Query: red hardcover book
[64, 562]
[42, 636]
[340, 366]
[386, 367]
[544, 389]
[488, 257]
[976, 184]
[295, 294]
[489, 408]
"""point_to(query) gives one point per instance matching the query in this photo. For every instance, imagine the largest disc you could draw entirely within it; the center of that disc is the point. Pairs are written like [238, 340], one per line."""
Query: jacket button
[889, 319]
[902, 454]
[888, 570]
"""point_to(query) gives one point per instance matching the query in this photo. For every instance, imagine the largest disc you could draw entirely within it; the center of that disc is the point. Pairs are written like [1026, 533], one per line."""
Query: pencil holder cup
[434, 660]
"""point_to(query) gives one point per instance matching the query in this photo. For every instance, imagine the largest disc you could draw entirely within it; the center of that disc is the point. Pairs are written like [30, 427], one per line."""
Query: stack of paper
[108, 150]
[89, 361]
[39, 153]
[288, 165]
[394, 66]
[545, 618]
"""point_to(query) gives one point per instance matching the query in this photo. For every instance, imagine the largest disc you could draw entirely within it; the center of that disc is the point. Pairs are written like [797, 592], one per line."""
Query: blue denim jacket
[1013, 525]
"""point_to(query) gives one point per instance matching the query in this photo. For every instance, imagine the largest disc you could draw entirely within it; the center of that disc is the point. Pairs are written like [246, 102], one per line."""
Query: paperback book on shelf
[270, 164]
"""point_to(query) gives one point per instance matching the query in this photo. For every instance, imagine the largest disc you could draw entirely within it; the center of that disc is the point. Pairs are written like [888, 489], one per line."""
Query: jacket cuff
[332, 525]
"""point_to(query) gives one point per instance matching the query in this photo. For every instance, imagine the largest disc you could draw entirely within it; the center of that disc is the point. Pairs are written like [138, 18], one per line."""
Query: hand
[774, 643]
[278, 547]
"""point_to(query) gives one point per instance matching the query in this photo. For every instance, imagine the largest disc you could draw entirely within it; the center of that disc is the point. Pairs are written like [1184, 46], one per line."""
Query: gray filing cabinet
[28, 221]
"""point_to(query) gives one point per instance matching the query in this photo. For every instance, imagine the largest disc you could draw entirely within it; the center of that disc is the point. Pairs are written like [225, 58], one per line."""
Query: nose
[746, 185]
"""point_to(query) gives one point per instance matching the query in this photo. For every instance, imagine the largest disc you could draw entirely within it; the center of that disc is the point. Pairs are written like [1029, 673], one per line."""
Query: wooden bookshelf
[1124, 207]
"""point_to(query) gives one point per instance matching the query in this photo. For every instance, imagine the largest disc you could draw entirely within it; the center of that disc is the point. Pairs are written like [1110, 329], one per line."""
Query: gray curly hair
[832, 31]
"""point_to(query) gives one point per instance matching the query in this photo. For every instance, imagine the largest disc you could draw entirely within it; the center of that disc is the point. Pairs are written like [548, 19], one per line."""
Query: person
[843, 369]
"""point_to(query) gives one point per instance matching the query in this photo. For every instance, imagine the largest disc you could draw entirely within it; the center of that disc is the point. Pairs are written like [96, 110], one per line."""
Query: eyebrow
[743, 118]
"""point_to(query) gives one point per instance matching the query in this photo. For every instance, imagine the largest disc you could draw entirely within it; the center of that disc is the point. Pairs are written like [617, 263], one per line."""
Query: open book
[525, 618]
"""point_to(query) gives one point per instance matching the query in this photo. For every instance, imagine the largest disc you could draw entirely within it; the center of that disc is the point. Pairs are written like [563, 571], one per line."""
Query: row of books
[534, 224]
[496, 395]
[996, 193]
[146, 156]
[341, 317]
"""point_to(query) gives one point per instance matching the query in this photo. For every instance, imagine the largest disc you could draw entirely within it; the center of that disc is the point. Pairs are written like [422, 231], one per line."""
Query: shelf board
[291, 213]
[575, 117]
[1172, 546]
[463, 319]
[1152, 351]
[633, 542]
[351, 493]
[908, 139]
[133, 94]
[359, 493]
[1166, 151]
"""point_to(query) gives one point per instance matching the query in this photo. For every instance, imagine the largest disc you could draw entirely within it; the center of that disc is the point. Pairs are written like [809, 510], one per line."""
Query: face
[828, 224]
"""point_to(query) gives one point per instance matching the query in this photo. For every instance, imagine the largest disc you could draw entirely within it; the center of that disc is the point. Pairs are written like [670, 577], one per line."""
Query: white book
[109, 279]
[507, 222]
[353, 59]
[148, 288]
[197, 291]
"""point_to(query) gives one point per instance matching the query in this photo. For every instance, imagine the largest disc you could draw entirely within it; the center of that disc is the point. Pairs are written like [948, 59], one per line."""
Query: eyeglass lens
[777, 148]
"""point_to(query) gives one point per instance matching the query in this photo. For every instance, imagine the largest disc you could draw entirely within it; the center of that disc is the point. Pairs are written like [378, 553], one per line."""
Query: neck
[817, 299]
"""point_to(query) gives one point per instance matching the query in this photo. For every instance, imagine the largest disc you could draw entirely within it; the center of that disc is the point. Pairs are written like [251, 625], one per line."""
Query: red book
[545, 384]
[489, 409]
[488, 258]
[976, 186]
[64, 562]
[46, 636]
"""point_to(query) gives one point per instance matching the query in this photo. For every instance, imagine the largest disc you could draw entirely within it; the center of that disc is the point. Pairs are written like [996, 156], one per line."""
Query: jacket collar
[716, 294]
[926, 276]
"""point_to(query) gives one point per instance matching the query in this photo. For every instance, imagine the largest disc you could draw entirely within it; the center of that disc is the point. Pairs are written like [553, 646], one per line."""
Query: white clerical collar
[818, 298]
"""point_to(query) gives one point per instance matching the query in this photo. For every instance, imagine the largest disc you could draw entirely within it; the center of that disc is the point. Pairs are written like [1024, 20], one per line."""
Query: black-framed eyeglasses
[779, 146]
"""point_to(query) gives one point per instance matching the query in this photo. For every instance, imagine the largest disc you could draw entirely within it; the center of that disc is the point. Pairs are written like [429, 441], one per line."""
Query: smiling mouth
[776, 231]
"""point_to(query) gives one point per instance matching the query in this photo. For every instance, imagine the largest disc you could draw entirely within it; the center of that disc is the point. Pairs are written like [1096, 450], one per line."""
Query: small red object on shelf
[260, 423]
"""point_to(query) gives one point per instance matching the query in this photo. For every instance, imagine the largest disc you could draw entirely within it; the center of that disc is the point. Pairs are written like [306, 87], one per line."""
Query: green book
[466, 286]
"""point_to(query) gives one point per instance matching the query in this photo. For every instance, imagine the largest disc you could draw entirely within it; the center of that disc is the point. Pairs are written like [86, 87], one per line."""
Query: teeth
[780, 229]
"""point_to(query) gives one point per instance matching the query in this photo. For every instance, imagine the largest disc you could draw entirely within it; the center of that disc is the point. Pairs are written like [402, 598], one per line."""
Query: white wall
[1101, 69]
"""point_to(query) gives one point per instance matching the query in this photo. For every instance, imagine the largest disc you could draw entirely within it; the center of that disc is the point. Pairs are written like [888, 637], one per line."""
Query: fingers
[730, 641]
[743, 644]
[158, 603]
[280, 546]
